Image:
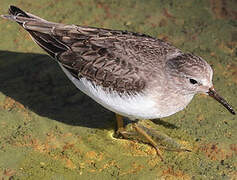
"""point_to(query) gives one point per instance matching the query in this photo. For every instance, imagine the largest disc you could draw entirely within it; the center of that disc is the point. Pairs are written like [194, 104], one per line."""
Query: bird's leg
[120, 126]
[119, 120]
[121, 131]
[155, 137]
[147, 135]
[148, 138]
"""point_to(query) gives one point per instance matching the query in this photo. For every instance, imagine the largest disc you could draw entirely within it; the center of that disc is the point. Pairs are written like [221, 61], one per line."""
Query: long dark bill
[216, 96]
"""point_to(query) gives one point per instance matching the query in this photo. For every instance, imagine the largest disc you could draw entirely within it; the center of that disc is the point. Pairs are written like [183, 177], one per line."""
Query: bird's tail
[40, 30]
[21, 17]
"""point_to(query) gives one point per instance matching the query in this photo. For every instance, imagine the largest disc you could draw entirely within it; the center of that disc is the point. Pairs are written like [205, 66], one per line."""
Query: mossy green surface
[50, 130]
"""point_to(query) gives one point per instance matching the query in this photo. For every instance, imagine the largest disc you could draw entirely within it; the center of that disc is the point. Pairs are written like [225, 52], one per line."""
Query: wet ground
[50, 130]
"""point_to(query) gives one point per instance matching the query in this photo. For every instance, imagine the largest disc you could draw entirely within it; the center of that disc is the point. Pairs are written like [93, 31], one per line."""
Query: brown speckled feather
[123, 62]
[118, 60]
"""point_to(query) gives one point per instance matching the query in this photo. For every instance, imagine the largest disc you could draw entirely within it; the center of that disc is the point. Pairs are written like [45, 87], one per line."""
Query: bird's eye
[193, 81]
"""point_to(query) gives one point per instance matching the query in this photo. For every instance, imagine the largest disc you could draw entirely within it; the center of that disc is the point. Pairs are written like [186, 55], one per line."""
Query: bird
[131, 74]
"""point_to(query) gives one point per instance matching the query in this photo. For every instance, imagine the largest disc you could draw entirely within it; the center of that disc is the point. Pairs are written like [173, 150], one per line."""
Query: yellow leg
[147, 135]
[120, 126]
[119, 119]
[149, 139]
[121, 131]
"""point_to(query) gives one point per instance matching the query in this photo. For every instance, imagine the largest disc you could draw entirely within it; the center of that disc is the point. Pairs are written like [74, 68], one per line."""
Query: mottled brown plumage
[117, 60]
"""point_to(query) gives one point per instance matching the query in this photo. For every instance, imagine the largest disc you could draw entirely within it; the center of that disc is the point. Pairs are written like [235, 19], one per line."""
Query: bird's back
[116, 60]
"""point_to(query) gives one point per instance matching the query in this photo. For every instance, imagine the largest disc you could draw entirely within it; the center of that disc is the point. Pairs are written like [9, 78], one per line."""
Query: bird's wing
[109, 58]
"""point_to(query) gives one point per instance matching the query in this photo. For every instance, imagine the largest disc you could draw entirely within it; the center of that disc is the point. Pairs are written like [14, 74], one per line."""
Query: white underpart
[136, 106]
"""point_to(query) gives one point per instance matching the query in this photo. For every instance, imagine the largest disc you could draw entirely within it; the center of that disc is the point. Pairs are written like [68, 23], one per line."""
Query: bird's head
[190, 74]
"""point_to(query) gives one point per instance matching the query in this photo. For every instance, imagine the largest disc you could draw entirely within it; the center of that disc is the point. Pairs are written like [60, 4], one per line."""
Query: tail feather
[40, 30]
[18, 15]
[52, 46]
[15, 11]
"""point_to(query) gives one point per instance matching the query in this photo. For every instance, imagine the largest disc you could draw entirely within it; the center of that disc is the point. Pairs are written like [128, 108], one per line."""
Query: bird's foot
[157, 138]
[138, 131]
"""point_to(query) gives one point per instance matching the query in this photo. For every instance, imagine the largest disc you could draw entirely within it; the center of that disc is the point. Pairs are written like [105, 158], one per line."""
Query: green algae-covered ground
[50, 130]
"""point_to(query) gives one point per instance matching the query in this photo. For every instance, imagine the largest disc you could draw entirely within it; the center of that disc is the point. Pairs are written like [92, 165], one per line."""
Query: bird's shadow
[37, 82]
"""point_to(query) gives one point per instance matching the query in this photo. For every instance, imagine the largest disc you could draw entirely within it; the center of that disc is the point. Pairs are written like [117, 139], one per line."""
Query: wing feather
[117, 60]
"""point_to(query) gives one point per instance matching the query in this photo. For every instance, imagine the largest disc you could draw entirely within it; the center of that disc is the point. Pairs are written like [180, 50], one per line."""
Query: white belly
[135, 106]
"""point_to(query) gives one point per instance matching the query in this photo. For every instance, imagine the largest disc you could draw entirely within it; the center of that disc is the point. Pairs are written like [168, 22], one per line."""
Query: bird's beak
[216, 96]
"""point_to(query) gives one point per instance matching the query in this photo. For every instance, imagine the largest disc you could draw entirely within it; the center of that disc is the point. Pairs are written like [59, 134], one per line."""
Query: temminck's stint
[131, 74]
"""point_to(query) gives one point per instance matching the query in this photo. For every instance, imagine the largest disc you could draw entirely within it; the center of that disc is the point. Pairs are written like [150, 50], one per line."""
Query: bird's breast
[169, 103]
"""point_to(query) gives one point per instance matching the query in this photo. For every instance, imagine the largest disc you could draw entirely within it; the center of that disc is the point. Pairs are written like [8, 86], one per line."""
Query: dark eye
[193, 81]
